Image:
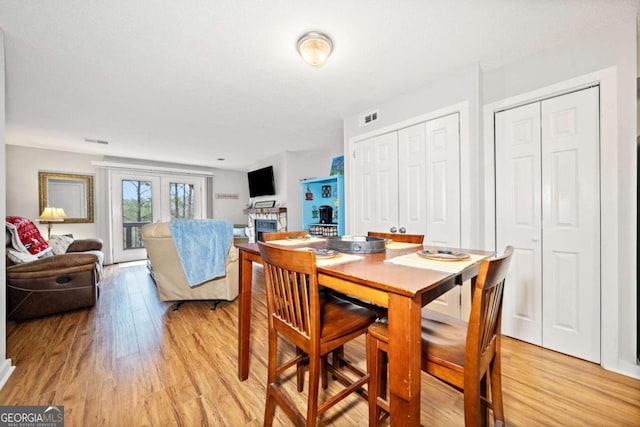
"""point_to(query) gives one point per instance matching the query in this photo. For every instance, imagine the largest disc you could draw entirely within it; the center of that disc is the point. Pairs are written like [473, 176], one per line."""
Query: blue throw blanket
[202, 246]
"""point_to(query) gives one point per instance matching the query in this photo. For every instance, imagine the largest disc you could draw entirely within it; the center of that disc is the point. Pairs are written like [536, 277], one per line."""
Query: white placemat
[294, 242]
[337, 260]
[415, 260]
[402, 245]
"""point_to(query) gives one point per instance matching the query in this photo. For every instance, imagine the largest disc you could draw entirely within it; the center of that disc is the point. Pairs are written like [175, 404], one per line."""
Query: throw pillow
[25, 236]
[59, 244]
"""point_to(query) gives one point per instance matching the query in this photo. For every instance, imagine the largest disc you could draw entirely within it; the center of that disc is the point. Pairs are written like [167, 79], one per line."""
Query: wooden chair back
[483, 330]
[279, 235]
[398, 237]
[293, 302]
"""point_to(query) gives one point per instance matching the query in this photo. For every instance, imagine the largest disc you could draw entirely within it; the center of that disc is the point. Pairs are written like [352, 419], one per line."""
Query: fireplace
[267, 219]
[265, 226]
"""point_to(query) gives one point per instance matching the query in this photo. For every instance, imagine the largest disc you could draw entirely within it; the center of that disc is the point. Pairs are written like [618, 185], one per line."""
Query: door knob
[534, 238]
[393, 229]
[403, 230]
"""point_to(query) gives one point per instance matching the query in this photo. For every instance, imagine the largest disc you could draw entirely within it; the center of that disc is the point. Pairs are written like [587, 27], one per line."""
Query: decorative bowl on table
[357, 244]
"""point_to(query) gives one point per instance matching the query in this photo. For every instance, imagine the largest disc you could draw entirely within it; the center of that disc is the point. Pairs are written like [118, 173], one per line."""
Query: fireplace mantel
[264, 210]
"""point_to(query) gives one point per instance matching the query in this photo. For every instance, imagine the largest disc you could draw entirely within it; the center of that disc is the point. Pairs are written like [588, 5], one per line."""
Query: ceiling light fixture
[315, 47]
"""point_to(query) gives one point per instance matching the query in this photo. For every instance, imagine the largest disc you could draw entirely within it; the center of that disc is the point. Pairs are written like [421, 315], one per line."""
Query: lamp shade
[315, 48]
[51, 214]
[60, 213]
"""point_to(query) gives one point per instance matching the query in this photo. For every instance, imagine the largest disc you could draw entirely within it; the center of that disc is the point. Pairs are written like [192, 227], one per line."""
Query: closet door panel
[363, 196]
[376, 183]
[518, 219]
[443, 196]
[386, 180]
[443, 181]
[412, 182]
[571, 224]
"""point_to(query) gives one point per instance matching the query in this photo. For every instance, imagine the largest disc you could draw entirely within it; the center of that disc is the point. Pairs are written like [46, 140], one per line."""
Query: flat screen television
[261, 182]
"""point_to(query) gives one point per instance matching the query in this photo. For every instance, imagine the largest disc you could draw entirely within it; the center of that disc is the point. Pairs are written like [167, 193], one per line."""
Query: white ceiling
[197, 80]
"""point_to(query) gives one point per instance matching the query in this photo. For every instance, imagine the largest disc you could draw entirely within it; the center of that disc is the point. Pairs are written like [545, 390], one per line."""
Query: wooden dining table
[402, 289]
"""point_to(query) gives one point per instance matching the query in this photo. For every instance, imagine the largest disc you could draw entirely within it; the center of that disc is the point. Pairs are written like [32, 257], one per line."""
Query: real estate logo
[31, 416]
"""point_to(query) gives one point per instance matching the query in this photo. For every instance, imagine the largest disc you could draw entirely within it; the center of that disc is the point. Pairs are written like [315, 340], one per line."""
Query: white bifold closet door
[375, 178]
[548, 208]
[408, 181]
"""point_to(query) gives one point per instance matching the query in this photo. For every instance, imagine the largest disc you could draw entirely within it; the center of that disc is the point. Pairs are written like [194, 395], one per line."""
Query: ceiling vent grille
[368, 118]
[96, 141]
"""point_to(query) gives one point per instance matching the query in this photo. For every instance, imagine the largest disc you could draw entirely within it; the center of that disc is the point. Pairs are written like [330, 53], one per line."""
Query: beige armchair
[167, 272]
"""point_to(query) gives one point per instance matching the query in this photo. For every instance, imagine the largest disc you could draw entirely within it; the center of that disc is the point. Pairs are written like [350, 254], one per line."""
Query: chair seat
[443, 339]
[340, 318]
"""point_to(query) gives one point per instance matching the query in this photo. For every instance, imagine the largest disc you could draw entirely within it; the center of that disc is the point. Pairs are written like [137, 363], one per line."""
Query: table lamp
[50, 215]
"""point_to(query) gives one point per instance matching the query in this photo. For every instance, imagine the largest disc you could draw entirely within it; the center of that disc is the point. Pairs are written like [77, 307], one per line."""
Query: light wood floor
[133, 361]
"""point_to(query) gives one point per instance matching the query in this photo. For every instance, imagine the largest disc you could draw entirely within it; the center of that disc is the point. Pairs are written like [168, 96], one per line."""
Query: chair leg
[324, 371]
[300, 371]
[270, 406]
[314, 382]
[374, 379]
[337, 357]
[496, 389]
[377, 366]
[383, 362]
[472, 403]
[269, 409]
[483, 401]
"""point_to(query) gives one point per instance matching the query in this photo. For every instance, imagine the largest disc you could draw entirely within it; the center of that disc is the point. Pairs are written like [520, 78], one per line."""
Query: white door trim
[607, 79]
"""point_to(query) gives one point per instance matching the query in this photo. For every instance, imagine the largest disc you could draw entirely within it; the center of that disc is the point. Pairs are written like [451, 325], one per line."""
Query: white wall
[230, 182]
[612, 46]
[5, 364]
[460, 87]
[289, 169]
[23, 165]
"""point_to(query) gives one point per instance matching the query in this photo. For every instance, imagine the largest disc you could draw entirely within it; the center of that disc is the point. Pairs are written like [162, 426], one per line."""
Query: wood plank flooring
[133, 361]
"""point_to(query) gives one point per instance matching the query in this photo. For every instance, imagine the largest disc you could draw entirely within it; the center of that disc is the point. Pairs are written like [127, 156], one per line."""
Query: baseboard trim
[5, 371]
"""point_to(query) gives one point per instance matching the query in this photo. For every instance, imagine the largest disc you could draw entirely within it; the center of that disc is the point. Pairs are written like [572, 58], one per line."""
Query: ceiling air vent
[96, 141]
[368, 118]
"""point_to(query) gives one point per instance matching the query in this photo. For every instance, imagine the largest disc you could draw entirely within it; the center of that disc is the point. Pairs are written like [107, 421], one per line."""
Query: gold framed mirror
[73, 193]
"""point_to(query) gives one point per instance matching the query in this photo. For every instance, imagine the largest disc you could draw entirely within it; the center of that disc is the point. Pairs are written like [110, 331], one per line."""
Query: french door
[142, 199]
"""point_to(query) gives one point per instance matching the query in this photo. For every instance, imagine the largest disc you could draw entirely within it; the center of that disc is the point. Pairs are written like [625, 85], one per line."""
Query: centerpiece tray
[357, 244]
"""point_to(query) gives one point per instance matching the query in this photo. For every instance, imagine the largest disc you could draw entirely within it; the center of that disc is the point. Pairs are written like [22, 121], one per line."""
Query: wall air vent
[368, 118]
[96, 141]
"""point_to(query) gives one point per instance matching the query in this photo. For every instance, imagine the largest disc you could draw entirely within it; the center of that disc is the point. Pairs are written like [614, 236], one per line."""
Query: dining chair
[398, 237]
[465, 355]
[279, 235]
[316, 323]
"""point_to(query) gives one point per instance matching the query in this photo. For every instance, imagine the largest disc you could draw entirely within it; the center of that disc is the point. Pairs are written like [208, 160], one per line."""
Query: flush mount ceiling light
[315, 48]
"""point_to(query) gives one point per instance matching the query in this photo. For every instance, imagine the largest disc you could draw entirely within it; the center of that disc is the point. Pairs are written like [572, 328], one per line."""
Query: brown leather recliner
[54, 284]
